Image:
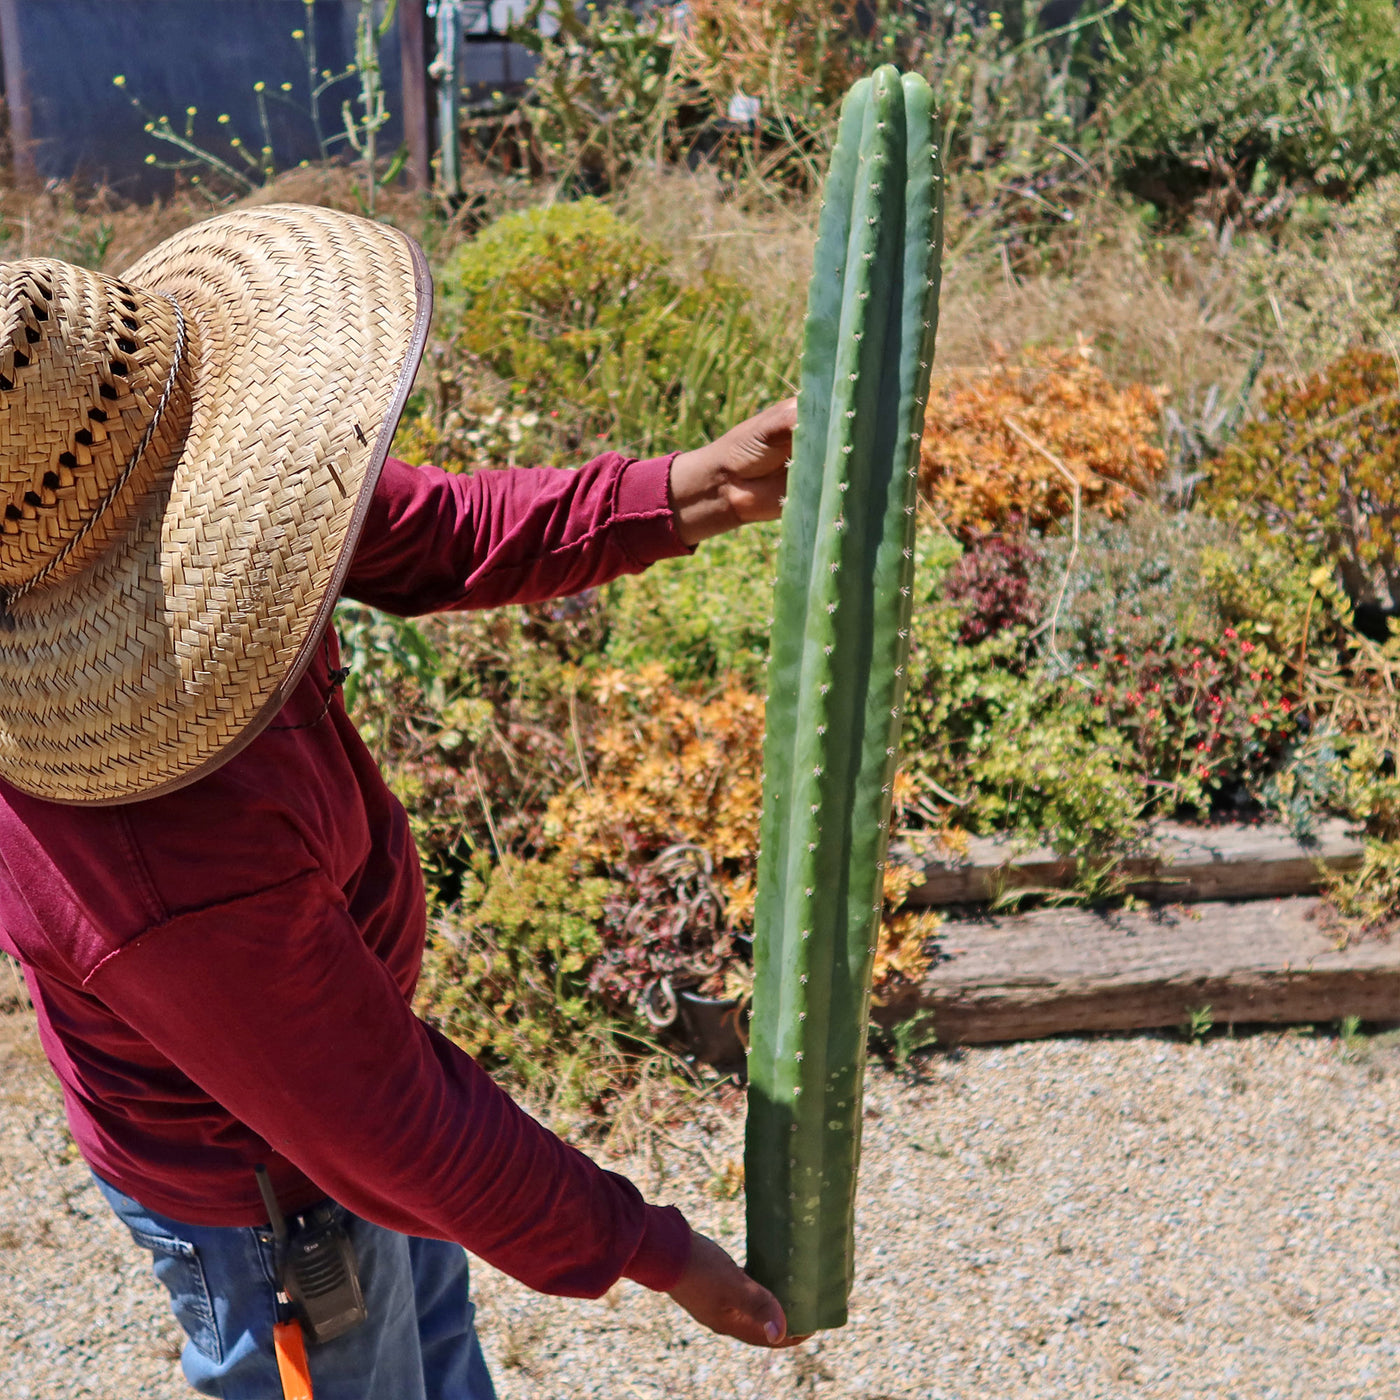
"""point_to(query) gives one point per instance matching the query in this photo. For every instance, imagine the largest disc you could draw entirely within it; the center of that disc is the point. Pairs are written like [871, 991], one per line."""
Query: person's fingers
[759, 498]
[717, 1293]
[762, 444]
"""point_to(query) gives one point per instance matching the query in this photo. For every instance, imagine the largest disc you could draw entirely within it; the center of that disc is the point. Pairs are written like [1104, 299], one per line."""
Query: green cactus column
[836, 685]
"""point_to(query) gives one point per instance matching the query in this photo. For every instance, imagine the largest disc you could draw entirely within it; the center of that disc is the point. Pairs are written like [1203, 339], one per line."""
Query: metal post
[416, 129]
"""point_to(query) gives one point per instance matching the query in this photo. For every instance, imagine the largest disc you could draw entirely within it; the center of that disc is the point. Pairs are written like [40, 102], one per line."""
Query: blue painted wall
[175, 54]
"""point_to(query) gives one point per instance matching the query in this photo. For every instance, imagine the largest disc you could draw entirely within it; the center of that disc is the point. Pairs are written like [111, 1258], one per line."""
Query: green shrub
[1133, 584]
[506, 974]
[602, 99]
[1321, 467]
[700, 617]
[1049, 770]
[577, 316]
[1334, 280]
[1251, 96]
[476, 738]
[1013, 750]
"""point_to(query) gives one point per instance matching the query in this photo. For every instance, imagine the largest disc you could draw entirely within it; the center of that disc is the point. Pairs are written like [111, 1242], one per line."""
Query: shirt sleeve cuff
[646, 519]
[664, 1252]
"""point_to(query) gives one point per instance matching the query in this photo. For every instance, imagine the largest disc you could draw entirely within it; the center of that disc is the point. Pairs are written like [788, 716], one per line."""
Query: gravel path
[1114, 1217]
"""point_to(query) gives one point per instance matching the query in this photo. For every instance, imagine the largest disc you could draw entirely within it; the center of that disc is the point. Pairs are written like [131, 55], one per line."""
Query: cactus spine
[836, 685]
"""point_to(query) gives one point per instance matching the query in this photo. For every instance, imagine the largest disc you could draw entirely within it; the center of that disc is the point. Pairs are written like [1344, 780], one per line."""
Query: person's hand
[736, 480]
[719, 1295]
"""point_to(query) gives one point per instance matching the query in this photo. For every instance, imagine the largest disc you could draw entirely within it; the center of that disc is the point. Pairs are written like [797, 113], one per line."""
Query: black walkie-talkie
[317, 1266]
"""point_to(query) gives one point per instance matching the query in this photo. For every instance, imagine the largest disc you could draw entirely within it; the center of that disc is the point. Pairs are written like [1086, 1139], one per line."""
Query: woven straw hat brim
[142, 672]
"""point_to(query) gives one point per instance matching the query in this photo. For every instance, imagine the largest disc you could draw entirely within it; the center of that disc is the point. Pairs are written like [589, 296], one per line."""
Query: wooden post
[416, 128]
[16, 92]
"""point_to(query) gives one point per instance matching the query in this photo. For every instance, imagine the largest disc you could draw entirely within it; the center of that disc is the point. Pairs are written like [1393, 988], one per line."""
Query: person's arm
[274, 1006]
[435, 540]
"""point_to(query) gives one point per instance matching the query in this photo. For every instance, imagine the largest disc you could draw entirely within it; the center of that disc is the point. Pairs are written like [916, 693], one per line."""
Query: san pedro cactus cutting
[836, 686]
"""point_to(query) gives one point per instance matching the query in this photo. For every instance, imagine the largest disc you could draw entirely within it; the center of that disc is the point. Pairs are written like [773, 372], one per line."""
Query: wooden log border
[1051, 972]
[1182, 863]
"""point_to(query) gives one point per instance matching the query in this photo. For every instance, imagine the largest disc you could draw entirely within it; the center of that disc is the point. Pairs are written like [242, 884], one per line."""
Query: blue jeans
[418, 1344]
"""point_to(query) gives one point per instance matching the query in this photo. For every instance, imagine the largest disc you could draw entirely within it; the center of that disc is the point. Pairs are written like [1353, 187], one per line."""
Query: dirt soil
[1100, 1218]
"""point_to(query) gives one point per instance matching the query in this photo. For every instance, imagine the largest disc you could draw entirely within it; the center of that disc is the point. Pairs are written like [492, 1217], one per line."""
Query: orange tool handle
[290, 1345]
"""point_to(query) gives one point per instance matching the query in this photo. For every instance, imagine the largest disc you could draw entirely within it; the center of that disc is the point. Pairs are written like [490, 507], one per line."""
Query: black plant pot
[715, 1029]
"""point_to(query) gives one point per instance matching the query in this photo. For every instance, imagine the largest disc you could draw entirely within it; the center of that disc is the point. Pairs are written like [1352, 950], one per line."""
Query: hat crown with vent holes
[186, 458]
[85, 361]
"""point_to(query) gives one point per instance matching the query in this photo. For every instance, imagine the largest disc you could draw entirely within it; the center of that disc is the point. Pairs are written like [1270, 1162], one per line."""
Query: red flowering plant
[1160, 629]
[1208, 720]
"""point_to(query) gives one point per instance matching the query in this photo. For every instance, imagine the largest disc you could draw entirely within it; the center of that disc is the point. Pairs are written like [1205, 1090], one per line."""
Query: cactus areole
[836, 688]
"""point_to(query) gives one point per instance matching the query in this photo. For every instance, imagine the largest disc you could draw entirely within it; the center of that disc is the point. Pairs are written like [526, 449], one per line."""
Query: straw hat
[186, 459]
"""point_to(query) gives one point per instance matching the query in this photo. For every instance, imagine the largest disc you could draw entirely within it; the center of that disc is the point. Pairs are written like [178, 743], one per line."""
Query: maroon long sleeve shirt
[223, 974]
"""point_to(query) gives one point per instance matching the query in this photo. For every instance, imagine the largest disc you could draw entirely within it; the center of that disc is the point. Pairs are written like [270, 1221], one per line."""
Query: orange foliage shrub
[981, 475]
[670, 766]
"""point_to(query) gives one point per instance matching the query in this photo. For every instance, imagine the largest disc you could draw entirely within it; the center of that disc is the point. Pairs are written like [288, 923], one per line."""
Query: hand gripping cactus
[836, 684]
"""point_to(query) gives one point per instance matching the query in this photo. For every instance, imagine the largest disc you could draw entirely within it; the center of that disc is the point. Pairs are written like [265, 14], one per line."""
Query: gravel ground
[1109, 1217]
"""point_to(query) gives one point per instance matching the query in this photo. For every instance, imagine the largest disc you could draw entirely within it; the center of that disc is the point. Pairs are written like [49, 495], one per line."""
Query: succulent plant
[836, 683]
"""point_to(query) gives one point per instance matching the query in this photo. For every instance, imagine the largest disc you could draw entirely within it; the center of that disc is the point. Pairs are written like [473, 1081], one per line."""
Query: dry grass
[1178, 313]
[764, 245]
[1174, 313]
[100, 229]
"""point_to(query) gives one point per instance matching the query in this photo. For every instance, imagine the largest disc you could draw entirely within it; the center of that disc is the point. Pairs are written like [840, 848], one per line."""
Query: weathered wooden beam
[1049, 972]
[416, 116]
[1182, 863]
